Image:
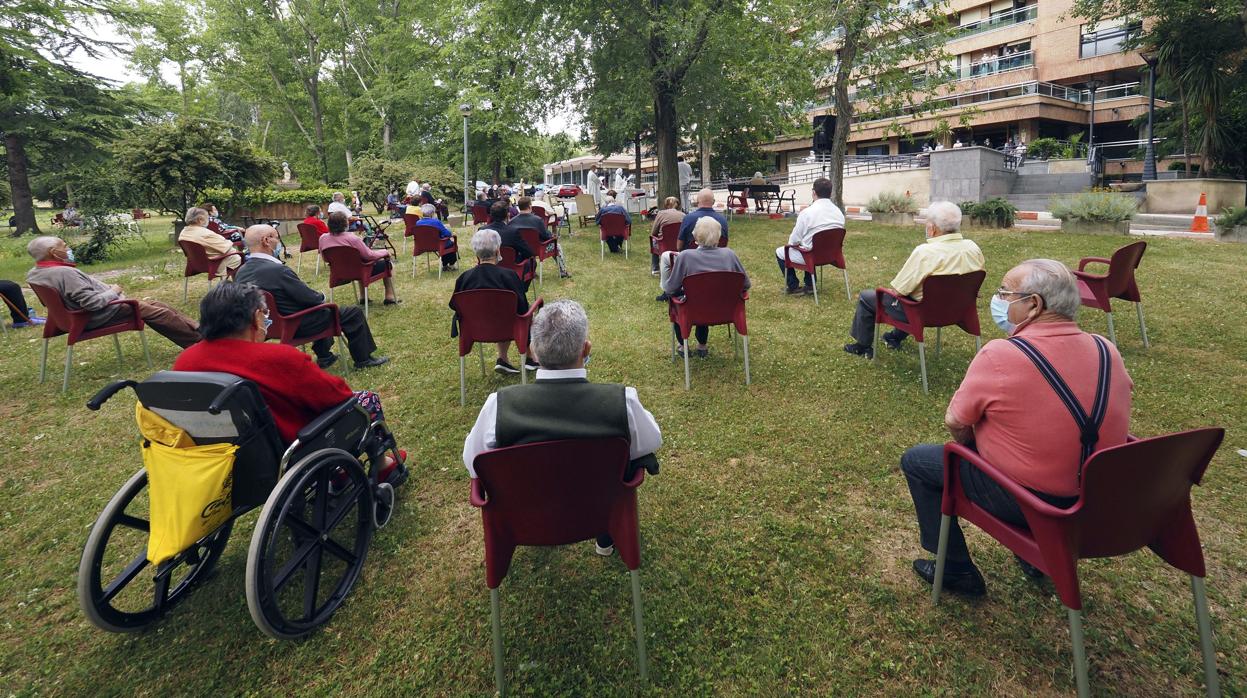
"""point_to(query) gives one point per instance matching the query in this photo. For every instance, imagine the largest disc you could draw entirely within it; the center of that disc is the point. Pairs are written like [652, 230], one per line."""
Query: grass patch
[776, 541]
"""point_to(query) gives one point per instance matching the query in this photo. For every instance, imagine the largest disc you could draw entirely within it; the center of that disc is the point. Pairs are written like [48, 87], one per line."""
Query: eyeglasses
[1002, 292]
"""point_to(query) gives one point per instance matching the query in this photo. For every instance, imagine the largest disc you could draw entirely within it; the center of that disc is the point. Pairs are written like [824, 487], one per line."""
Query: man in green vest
[562, 404]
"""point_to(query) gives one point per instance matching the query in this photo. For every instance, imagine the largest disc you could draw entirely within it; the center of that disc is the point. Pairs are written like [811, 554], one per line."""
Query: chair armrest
[1025, 498]
[1088, 276]
[313, 428]
[637, 478]
[299, 315]
[1082, 264]
[532, 308]
[227, 255]
[477, 496]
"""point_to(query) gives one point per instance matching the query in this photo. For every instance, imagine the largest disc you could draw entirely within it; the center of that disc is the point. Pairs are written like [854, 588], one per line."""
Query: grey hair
[428, 211]
[945, 216]
[559, 334]
[337, 196]
[195, 214]
[707, 232]
[41, 246]
[485, 243]
[1055, 283]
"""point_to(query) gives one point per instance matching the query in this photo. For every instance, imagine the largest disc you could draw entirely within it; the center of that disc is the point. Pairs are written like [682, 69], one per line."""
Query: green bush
[228, 200]
[1095, 207]
[1232, 217]
[1043, 148]
[967, 208]
[995, 212]
[891, 202]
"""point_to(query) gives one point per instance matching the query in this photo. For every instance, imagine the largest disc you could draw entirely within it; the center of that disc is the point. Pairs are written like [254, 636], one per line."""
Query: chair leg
[117, 345]
[413, 268]
[365, 300]
[480, 350]
[638, 617]
[602, 248]
[186, 283]
[523, 370]
[1080, 653]
[463, 385]
[687, 383]
[1112, 331]
[43, 363]
[625, 248]
[299, 268]
[814, 283]
[922, 361]
[745, 341]
[1211, 680]
[495, 620]
[541, 273]
[941, 554]
[939, 331]
[874, 345]
[673, 345]
[344, 350]
[69, 362]
[978, 343]
[847, 292]
[318, 263]
[1138, 307]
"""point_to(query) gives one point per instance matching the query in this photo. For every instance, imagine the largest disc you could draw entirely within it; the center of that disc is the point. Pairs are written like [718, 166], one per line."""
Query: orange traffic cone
[1200, 223]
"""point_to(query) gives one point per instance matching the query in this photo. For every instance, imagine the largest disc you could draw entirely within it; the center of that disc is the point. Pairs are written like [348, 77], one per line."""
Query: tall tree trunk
[69, 194]
[666, 134]
[186, 104]
[19, 185]
[844, 116]
[638, 161]
[1186, 129]
[350, 163]
[706, 174]
[386, 135]
[318, 127]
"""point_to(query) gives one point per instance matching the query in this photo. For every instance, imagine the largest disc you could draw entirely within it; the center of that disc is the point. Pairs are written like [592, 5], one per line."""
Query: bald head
[261, 238]
[41, 247]
[705, 198]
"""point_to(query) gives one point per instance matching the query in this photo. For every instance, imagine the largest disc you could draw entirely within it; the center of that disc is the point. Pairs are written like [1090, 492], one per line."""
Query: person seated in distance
[567, 404]
[705, 209]
[338, 205]
[313, 219]
[233, 320]
[429, 219]
[499, 214]
[759, 204]
[817, 217]
[707, 256]
[527, 219]
[669, 213]
[1011, 415]
[214, 244]
[292, 295]
[55, 268]
[487, 274]
[615, 242]
[339, 237]
[426, 197]
[944, 252]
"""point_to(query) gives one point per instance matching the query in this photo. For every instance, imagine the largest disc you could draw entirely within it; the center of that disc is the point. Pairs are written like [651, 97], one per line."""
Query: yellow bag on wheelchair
[190, 487]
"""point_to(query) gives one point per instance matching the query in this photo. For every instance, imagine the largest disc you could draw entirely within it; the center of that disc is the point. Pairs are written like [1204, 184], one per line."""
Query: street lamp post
[466, 110]
[1149, 152]
[1093, 85]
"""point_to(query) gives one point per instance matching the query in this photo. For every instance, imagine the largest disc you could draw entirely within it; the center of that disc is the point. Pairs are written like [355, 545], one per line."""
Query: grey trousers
[863, 329]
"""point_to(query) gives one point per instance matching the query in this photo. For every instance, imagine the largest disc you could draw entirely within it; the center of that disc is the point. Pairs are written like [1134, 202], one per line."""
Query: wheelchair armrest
[314, 428]
[107, 392]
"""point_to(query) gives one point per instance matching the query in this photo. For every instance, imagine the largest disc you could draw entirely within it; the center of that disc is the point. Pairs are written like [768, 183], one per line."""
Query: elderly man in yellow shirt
[944, 252]
[214, 244]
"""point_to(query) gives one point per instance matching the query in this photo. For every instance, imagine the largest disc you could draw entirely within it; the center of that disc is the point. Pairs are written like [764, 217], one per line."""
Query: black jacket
[291, 294]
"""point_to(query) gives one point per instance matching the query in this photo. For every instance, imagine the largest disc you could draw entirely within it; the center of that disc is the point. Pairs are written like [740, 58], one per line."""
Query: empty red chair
[947, 299]
[73, 323]
[480, 214]
[710, 298]
[670, 237]
[198, 261]
[285, 327]
[524, 270]
[309, 241]
[428, 240]
[541, 250]
[557, 493]
[345, 266]
[1118, 282]
[614, 225]
[828, 248]
[488, 315]
[1134, 495]
[409, 231]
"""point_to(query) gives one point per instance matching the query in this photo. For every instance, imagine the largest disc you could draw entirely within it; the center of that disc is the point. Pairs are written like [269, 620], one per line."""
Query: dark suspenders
[1088, 424]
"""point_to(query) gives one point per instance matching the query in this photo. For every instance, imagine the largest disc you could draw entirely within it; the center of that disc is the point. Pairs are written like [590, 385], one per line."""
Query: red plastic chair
[198, 261]
[614, 225]
[557, 493]
[532, 238]
[488, 315]
[1134, 495]
[828, 248]
[73, 323]
[480, 214]
[667, 243]
[345, 266]
[947, 299]
[1118, 282]
[524, 270]
[710, 298]
[409, 231]
[139, 214]
[285, 327]
[426, 240]
[309, 241]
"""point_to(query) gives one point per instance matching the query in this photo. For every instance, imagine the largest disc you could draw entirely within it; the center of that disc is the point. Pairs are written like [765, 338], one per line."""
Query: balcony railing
[997, 21]
[1034, 87]
[997, 64]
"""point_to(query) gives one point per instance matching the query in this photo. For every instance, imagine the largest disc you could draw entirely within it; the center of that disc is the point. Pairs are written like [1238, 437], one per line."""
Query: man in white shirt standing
[817, 217]
[562, 404]
[686, 179]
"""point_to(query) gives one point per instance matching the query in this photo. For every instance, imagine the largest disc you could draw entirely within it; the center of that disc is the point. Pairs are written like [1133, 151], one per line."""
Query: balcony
[997, 21]
[997, 64]
[1005, 92]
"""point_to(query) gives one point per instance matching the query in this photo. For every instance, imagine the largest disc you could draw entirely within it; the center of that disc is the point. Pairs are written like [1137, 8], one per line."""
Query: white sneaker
[653, 272]
[604, 552]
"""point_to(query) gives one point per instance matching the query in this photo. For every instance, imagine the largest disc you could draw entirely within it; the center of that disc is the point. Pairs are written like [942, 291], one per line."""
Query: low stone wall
[1070, 166]
[1182, 195]
[969, 174]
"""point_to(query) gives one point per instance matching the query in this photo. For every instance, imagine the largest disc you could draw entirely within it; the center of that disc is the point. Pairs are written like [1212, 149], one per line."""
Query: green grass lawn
[776, 541]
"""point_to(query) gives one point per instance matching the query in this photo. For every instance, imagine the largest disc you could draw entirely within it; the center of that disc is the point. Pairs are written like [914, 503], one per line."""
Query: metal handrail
[1004, 19]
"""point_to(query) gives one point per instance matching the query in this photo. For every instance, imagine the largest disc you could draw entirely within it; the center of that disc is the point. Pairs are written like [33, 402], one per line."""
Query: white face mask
[1000, 313]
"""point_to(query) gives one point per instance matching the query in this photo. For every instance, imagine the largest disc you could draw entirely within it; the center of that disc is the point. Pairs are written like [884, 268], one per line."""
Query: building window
[1108, 40]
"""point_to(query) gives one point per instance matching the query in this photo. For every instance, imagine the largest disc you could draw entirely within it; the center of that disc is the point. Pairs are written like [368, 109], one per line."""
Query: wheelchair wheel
[309, 544]
[117, 589]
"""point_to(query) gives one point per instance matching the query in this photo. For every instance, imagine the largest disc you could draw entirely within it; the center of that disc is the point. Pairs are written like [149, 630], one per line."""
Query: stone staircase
[1034, 190]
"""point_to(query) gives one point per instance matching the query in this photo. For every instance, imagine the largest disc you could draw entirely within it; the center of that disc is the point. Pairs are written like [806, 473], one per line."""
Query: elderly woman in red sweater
[339, 237]
[233, 323]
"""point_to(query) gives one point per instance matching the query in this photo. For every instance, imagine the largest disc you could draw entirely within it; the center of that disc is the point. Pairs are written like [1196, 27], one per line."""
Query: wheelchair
[320, 503]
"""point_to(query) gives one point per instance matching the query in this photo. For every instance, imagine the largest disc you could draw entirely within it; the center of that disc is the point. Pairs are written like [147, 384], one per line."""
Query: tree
[161, 32]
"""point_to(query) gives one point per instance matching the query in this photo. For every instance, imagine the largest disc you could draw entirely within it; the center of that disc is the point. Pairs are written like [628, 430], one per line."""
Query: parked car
[569, 191]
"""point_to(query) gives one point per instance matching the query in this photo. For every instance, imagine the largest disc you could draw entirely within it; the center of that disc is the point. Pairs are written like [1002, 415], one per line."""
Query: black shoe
[505, 368]
[373, 362]
[795, 291]
[966, 583]
[1028, 569]
[662, 298]
[859, 350]
[530, 364]
[703, 353]
[393, 302]
[893, 339]
[326, 361]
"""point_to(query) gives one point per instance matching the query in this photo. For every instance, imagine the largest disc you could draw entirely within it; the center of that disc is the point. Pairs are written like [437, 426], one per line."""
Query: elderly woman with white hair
[944, 252]
[707, 256]
[487, 274]
[428, 219]
[215, 244]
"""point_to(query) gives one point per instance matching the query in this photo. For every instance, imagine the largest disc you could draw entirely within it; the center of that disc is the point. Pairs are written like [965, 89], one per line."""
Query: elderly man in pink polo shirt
[1035, 405]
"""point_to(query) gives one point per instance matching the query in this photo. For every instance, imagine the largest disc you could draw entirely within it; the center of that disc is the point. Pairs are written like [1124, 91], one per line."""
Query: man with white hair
[614, 242]
[429, 219]
[817, 217]
[487, 274]
[1035, 406]
[55, 268]
[562, 404]
[944, 252]
[705, 209]
[214, 244]
[338, 205]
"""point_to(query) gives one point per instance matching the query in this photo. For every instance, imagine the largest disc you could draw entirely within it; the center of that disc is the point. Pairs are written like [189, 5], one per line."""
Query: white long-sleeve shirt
[644, 436]
[817, 217]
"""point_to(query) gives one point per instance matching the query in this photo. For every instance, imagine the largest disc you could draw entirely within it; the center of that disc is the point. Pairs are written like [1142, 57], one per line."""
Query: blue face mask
[1000, 314]
[69, 255]
[268, 322]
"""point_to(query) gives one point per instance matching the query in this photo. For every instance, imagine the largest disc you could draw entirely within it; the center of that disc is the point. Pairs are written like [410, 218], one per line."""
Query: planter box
[1095, 227]
[1235, 234]
[892, 218]
[278, 211]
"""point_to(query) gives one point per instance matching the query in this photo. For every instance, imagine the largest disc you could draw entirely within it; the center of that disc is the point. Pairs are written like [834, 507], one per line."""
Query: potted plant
[1095, 213]
[1232, 224]
[993, 213]
[890, 208]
